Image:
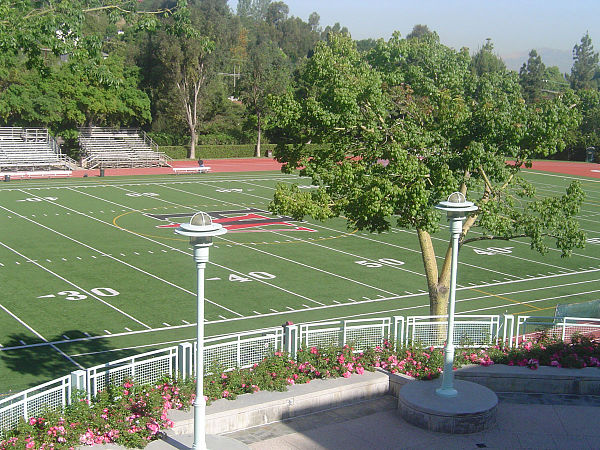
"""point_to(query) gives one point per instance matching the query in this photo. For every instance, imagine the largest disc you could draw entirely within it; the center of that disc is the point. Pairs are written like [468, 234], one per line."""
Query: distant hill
[550, 57]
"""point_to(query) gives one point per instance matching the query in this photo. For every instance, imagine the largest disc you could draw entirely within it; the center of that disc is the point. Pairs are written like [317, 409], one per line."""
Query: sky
[515, 27]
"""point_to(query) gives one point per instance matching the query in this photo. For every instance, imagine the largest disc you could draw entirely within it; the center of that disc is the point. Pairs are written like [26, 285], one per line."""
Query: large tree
[532, 77]
[186, 59]
[584, 73]
[265, 74]
[403, 129]
[486, 61]
[32, 28]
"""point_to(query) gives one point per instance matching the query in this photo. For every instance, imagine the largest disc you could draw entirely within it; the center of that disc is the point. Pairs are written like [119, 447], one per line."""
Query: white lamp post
[200, 230]
[456, 206]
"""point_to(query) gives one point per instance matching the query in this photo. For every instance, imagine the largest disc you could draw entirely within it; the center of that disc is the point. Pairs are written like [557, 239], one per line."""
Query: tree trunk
[257, 152]
[438, 283]
[193, 138]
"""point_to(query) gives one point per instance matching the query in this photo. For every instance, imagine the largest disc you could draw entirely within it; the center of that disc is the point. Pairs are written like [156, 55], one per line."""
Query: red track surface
[258, 164]
[216, 165]
[569, 168]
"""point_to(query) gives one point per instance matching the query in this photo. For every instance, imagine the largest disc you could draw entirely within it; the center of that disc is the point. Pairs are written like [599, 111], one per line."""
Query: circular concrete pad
[472, 410]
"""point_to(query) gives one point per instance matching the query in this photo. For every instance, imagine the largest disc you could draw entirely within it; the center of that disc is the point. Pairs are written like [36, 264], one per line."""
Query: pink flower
[346, 374]
[314, 350]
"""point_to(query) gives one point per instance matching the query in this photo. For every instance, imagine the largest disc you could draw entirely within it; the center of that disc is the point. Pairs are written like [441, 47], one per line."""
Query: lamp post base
[472, 410]
[446, 392]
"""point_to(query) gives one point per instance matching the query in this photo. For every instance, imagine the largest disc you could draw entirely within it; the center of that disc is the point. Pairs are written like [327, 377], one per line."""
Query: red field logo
[239, 220]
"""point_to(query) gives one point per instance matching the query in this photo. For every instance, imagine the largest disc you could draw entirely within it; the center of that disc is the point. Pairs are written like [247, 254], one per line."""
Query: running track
[259, 164]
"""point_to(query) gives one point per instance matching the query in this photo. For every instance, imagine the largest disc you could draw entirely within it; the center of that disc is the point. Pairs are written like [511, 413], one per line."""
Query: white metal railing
[563, 328]
[245, 349]
[362, 333]
[53, 394]
[241, 350]
[469, 330]
[145, 368]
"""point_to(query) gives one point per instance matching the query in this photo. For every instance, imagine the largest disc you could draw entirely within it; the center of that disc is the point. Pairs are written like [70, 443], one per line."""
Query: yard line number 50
[380, 262]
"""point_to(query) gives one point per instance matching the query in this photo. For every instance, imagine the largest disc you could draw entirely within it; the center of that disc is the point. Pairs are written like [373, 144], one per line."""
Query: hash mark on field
[422, 291]
[128, 329]
[151, 252]
[185, 321]
[107, 332]
[17, 263]
[136, 253]
[166, 324]
[123, 254]
[64, 259]
[48, 260]
[306, 306]
[256, 312]
[335, 301]
[87, 334]
[1, 346]
[66, 337]
[94, 256]
[274, 310]
[22, 342]
[222, 317]
[78, 257]
[366, 298]
[409, 293]
[352, 300]
[290, 308]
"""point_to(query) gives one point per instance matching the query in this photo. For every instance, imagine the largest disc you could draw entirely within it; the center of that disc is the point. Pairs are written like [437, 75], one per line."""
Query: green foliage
[129, 414]
[410, 123]
[486, 61]
[532, 77]
[68, 97]
[585, 73]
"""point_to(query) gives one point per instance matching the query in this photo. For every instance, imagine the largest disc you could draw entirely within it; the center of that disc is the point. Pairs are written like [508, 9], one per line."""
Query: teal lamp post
[456, 208]
[201, 231]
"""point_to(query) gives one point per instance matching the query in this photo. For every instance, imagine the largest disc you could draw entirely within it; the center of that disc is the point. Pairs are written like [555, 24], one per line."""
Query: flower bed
[132, 415]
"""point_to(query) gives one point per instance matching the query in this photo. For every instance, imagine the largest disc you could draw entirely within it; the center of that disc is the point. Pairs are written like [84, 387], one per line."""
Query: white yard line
[424, 305]
[30, 328]
[112, 257]
[212, 263]
[79, 288]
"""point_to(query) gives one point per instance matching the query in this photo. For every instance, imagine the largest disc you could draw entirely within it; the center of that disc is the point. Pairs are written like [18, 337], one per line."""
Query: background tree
[486, 61]
[265, 74]
[584, 73]
[419, 31]
[532, 77]
[186, 60]
[440, 127]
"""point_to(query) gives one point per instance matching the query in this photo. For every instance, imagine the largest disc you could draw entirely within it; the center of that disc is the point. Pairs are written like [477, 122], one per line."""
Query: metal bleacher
[30, 149]
[119, 148]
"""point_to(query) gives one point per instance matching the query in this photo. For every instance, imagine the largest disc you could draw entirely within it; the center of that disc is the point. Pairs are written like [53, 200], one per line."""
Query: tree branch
[489, 238]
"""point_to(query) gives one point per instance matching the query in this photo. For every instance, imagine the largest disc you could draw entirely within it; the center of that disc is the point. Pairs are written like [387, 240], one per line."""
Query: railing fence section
[245, 349]
[563, 328]
[469, 330]
[241, 350]
[361, 333]
[53, 394]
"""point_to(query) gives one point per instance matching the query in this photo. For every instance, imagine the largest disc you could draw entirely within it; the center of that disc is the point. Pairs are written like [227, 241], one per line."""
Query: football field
[91, 269]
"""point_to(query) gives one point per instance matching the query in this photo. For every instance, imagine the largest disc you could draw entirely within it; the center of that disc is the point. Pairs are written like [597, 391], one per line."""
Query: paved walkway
[532, 421]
